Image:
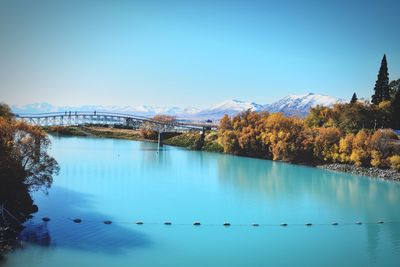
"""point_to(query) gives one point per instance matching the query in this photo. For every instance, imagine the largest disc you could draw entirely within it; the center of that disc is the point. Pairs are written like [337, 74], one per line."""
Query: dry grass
[114, 133]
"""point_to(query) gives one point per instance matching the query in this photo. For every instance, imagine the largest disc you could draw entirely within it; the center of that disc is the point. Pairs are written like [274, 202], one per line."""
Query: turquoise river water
[125, 181]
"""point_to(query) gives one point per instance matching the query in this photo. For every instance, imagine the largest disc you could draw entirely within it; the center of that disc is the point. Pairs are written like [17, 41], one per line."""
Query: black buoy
[226, 224]
[77, 220]
[380, 222]
[107, 222]
[358, 222]
[45, 219]
[196, 223]
[334, 223]
[283, 224]
[255, 224]
[139, 222]
[167, 223]
[308, 224]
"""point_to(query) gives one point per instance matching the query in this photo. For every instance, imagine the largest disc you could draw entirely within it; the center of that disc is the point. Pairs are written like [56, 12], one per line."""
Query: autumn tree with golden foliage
[165, 118]
[382, 144]
[360, 154]
[288, 138]
[395, 162]
[326, 144]
[346, 147]
[241, 134]
[146, 132]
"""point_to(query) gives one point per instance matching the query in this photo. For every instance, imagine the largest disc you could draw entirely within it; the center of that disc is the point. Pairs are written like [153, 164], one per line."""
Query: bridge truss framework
[77, 118]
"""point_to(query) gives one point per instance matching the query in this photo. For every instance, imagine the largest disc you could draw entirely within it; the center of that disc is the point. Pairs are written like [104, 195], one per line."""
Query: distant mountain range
[298, 105]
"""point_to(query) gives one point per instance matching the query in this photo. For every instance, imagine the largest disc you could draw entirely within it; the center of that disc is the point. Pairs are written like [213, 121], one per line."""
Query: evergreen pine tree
[353, 99]
[396, 111]
[382, 84]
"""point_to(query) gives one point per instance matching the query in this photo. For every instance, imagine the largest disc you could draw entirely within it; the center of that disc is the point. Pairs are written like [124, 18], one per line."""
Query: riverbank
[194, 140]
[96, 132]
[186, 140]
[210, 143]
[388, 174]
[13, 216]
[12, 221]
[8, 241]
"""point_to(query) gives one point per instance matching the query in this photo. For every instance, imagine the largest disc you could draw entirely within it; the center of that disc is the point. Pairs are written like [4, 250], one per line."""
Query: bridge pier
[199, 143]
[160, 144]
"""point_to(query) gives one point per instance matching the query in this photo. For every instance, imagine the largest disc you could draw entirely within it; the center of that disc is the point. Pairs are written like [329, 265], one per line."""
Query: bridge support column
[160, 144]
[199, 143]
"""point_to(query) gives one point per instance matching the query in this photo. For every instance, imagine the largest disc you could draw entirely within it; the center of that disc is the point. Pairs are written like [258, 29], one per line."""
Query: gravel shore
[388, 174]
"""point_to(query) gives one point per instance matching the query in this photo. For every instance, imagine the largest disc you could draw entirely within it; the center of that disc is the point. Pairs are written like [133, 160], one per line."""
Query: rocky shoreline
[8, 240]
[388, 174]
[12, 220]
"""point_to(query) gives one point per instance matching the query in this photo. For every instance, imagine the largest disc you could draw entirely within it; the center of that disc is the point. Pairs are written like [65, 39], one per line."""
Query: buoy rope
[226, 224]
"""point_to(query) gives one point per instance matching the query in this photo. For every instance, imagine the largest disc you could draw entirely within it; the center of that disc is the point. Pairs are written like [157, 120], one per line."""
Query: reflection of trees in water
[371, 199]
[113, 168]
[394, 235]
[373, 233]
[279, 180]
[151, 156]
[36, 233]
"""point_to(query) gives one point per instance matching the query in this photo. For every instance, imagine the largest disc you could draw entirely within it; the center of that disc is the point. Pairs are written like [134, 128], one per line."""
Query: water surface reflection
[90, 235]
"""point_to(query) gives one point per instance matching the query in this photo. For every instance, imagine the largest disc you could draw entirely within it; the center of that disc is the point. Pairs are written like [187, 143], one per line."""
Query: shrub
[395, 162]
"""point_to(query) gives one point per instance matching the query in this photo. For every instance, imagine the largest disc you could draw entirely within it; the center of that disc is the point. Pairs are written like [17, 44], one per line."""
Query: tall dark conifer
[382, 84]
[353, 99]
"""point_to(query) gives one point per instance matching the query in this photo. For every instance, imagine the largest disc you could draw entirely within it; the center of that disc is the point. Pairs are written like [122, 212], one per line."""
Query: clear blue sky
[192, 53]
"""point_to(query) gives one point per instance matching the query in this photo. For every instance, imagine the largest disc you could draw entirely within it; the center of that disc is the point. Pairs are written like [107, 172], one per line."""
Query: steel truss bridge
[75, 118]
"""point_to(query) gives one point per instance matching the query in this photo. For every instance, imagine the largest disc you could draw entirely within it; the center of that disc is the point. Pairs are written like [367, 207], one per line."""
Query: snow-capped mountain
[34, 108]
[229, 107]
[299, 105]
[290, 105]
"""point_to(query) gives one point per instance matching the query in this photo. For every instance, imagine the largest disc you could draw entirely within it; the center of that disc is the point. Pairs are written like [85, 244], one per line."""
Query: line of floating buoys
[227, 224]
